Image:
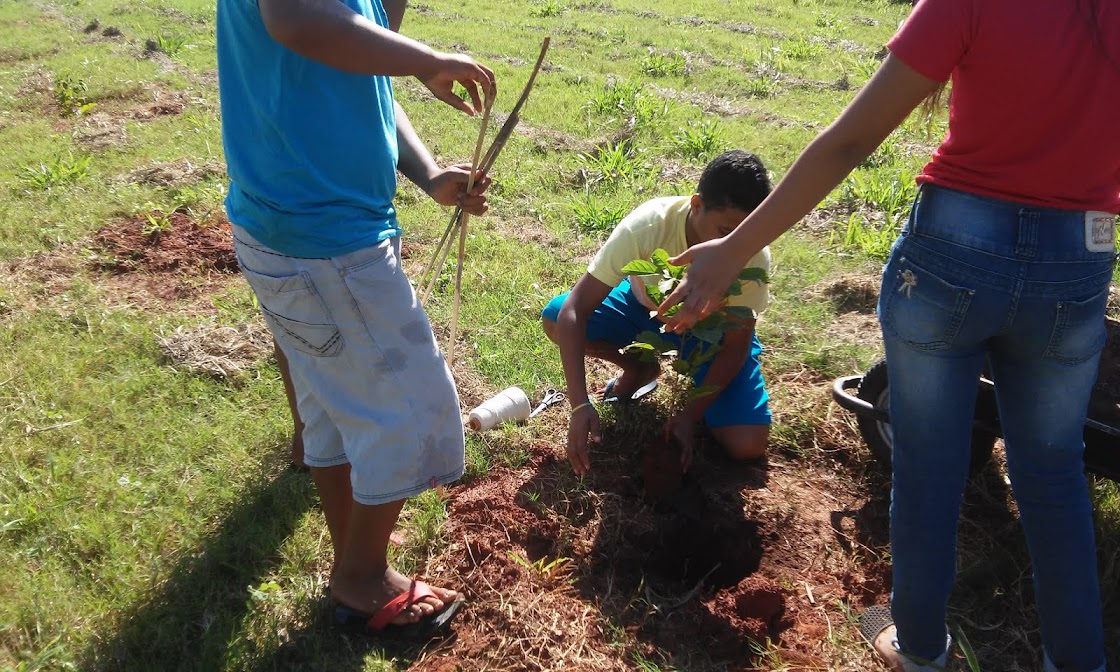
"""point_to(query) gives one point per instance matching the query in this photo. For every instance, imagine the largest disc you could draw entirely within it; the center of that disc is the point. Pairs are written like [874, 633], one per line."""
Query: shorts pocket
[294, 308]
[920, 308]
[1079, 331]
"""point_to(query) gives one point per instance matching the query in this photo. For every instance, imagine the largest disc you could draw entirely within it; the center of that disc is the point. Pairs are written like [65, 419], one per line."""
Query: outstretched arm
[884, 103]
[331, 33]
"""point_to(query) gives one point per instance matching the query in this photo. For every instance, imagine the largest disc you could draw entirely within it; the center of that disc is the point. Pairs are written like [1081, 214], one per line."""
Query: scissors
[551, 398]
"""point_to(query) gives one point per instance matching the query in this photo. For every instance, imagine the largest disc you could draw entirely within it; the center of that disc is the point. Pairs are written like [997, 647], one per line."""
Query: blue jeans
[970, 278]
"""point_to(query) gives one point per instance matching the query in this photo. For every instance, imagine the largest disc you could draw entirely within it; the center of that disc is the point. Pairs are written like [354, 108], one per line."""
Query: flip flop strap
[417, 591]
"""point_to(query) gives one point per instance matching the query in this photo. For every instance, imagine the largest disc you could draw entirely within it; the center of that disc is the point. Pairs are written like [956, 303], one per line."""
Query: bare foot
[633, 378]
[371, 594]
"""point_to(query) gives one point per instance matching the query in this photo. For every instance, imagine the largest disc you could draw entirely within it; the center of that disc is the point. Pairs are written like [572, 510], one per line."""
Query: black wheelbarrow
[867, 396]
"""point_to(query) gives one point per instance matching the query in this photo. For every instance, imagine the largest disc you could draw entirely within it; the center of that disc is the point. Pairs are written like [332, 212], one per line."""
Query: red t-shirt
[1035, 110]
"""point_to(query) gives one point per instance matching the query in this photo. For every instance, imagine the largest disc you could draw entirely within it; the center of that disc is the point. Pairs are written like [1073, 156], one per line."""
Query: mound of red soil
[755, 608]
[172, 243]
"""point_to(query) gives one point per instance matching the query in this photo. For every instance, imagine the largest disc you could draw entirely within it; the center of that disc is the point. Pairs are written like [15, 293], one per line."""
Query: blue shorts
[620, 318]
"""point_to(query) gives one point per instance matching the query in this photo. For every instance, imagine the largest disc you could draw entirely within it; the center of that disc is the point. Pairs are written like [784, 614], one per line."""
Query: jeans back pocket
[1079, 331]
[921, 309]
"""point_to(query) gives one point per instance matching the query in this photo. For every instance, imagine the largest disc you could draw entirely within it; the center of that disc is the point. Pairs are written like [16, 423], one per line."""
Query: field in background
[147, 518]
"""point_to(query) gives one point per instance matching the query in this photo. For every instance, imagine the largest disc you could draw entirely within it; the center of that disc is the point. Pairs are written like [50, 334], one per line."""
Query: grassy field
[147, 517]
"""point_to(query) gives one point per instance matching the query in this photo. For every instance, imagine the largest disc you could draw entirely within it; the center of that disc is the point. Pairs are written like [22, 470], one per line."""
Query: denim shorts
[620, 318]
[372, 387]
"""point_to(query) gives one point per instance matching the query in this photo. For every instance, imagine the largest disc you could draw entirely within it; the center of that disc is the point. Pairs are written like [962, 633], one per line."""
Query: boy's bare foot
[370, 594]
[632, 379]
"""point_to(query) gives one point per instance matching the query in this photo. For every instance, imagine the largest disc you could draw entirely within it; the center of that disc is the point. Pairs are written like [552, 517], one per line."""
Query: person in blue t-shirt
[313, 142]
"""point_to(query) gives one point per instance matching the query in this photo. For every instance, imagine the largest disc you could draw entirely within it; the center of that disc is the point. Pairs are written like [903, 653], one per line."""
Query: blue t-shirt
[311, 150]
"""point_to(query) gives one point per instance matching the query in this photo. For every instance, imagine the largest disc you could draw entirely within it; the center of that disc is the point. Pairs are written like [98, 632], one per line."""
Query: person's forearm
[817, 171]
[571, 333]
[415, 161]
[331, 33]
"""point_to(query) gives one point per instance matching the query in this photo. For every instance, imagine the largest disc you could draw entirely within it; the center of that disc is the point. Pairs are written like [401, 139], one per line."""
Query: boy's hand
[682, 427]
[584, 424]
[447, 69]
[449, 187]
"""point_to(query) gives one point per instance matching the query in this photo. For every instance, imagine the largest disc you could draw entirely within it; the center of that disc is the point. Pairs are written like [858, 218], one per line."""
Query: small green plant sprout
[662, 65]
[700, 141]
[542, 567]
[658, 278]
[158, 222]
[71, 94]
[167, 43]
[61, 171]
[547, 8]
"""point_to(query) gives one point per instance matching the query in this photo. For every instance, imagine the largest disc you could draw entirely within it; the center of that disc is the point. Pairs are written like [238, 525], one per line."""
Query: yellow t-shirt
[660, 223]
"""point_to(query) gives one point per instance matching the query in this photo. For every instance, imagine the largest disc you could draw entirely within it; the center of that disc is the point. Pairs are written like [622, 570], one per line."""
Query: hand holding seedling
[449, 187]
[446, 70]
[583, 429]
[713, 268]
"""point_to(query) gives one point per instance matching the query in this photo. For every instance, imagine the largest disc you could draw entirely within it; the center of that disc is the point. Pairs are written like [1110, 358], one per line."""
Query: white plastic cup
[509, 404]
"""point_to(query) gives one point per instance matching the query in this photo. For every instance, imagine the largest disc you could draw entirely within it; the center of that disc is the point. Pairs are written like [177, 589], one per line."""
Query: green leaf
[713, 336]
[704, 355]
[656, 340]
[754, 273]
[640, 267]
[661, 259]
[637, 347]
[681, 366]
[673, 310]
[735, 288]
[655, 294]
[702, 391]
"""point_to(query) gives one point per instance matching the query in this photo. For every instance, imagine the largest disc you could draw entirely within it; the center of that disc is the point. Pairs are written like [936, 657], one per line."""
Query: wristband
[582, 406]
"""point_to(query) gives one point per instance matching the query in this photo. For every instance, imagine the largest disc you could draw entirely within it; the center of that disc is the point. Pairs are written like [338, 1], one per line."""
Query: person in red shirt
[1006, 259]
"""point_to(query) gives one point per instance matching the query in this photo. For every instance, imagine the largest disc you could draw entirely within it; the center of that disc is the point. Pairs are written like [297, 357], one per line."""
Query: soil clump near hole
[177, 259]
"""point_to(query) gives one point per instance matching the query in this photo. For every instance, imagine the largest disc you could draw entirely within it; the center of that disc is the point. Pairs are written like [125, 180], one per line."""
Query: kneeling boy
[601, 315]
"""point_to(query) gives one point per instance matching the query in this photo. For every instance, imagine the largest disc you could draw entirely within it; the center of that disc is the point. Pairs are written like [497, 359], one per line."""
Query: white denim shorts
[372, 386]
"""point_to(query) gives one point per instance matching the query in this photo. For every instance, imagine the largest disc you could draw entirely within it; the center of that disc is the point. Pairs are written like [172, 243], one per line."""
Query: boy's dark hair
[734, 179]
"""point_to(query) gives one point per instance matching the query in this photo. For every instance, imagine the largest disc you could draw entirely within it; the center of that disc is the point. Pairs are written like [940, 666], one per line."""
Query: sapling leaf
[672, 311]
[704, 355]
[712, 336]
[702, 391]
[754, 273]
[637, 347]
[640, 267]
[660, 258]
[655, 294]
[735, 288]
[656, 340]
[682, 366]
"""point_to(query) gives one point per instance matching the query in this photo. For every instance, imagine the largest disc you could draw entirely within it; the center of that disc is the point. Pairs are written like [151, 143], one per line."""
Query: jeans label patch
[1100, 231]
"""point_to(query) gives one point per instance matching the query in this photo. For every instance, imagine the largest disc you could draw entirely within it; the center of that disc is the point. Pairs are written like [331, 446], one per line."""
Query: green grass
[146, 517]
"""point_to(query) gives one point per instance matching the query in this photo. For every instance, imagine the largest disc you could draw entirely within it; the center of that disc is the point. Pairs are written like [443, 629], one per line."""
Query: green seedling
[699, 141]
[660, 65]
[543, 567]
[659, 279]
[71, 96]
[61, 171]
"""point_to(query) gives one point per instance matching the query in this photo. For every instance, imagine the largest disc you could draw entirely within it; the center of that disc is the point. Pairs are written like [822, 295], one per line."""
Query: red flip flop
[380, 623]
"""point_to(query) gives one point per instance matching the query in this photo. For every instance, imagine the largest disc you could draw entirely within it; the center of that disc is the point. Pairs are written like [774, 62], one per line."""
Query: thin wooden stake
[463, 235]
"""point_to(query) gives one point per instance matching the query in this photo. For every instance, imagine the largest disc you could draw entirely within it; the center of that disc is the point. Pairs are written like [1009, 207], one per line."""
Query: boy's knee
[744, 442]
